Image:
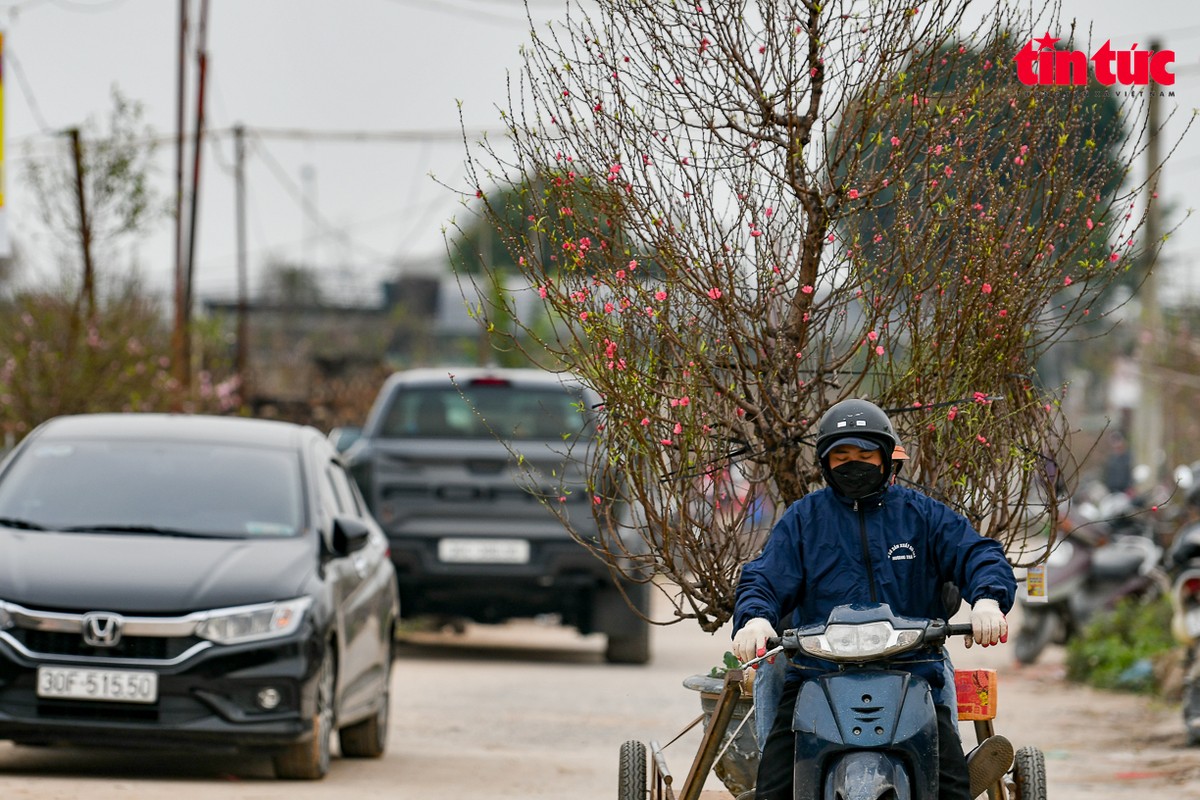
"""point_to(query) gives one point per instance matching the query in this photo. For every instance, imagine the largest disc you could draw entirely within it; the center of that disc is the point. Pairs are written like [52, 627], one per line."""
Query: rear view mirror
[1184, 477]
[343, 437]
[349, 535]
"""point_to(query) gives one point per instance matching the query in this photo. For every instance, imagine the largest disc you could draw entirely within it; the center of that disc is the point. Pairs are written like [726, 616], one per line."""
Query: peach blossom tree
[734, 214]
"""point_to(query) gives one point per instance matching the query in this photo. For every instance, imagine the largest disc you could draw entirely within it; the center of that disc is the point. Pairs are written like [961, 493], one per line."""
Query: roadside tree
[95, 340]
[844, 199]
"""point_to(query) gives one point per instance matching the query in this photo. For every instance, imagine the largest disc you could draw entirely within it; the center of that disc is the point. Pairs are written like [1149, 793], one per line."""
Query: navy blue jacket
[898, 548]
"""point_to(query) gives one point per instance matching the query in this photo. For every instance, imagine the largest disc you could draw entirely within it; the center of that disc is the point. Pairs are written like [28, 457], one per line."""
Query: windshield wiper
[156, 530]
[22, 524]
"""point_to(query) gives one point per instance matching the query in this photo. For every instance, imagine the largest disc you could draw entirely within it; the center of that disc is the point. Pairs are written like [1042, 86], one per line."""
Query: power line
[67, 5]
[460, 12]
[10, 56]
[401, 136]
[1175, 33]
[415, 136]
[297, 196]
[99, 6]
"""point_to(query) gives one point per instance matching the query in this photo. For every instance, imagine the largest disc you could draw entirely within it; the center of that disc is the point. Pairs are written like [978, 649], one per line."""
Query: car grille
[155, 648]
[61, 636]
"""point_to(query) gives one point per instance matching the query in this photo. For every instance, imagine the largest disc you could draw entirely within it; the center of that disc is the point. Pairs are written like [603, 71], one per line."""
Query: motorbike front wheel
[1029, 774]
[631, 780]
[1038, 629]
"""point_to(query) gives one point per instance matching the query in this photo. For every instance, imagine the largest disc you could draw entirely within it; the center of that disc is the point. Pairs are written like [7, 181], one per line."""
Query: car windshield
[153, 488]
[488, 411]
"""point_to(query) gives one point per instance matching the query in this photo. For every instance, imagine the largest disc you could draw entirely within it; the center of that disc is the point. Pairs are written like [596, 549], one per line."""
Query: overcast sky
[394, 69]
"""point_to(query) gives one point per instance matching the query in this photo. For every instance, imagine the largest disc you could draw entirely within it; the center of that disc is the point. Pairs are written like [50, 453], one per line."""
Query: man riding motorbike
[862, 539]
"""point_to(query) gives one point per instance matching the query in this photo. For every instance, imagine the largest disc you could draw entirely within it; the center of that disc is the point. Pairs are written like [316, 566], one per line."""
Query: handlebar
[772, 651]
[937, 630]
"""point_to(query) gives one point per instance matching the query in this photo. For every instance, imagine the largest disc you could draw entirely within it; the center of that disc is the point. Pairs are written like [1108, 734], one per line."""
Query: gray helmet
[856, 419]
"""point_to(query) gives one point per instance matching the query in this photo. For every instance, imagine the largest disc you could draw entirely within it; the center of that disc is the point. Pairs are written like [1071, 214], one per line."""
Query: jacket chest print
[902, 552]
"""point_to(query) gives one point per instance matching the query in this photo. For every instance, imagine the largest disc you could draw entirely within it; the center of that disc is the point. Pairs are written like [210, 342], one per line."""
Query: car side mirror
[349, 535]
[343, 437]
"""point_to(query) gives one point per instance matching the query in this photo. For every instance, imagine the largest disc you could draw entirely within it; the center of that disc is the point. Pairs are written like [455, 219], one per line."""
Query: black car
[191, 581]
[459, 464]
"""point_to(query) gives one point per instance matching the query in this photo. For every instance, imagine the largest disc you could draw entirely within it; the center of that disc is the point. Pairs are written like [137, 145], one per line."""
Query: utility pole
[180, 358]
[85, 228]
[197, 149]
[308, 184]
[1149, 441]
[239, 177]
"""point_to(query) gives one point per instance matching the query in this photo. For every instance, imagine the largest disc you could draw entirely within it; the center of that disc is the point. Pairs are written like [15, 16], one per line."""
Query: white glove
[988, 625]
[751, 641]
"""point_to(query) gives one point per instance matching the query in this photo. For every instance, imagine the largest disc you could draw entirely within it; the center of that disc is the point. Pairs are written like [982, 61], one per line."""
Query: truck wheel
[1029, 774]
[628, 633]
[632, 647]
[631, 780]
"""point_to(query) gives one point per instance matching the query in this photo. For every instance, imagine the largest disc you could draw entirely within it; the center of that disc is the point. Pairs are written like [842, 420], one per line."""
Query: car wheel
[309, 760]
[368, 739]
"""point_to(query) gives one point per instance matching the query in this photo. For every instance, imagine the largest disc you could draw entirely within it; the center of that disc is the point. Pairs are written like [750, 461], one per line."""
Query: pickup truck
[459, 465]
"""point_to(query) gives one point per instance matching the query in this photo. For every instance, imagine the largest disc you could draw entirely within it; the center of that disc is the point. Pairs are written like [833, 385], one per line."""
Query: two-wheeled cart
[633, 784]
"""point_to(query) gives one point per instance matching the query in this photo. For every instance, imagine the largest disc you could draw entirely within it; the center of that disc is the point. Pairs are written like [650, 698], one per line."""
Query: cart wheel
[631, 783]
[1029, 774]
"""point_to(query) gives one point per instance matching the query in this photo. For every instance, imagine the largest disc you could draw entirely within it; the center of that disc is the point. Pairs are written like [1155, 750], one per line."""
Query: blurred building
[322, 363]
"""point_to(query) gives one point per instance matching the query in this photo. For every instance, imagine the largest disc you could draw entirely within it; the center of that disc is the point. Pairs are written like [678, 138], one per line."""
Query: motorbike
[1102, 555]
[1183, 560]
[867, 729]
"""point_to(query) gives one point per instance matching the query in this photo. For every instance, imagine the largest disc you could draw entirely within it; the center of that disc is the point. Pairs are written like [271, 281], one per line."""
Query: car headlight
[859, 642]
[251, 623]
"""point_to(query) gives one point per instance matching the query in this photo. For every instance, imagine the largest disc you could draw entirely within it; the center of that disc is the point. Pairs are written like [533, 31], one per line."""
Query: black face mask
[856, 479]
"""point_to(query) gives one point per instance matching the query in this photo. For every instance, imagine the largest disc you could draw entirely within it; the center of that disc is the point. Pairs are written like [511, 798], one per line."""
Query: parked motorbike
[867, 729]
[1183, 559]
[1104, 554]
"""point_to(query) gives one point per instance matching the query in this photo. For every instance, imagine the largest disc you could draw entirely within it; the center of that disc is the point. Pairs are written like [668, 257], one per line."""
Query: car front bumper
[207, 702]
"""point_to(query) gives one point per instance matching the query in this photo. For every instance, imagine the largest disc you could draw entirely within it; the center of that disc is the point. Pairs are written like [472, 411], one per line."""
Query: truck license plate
[111, 685]
[483, 551]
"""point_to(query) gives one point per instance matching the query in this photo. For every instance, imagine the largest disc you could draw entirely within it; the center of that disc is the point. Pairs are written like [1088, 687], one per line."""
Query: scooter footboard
[880, 725]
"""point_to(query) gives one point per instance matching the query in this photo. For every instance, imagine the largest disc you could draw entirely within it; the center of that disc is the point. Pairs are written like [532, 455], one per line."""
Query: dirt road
[532, 712]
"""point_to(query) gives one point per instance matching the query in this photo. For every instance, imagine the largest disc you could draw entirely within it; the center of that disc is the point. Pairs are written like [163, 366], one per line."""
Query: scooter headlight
[859, 642]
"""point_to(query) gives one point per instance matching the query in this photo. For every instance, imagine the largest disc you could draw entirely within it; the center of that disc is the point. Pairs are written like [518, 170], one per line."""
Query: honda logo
[102, 629]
